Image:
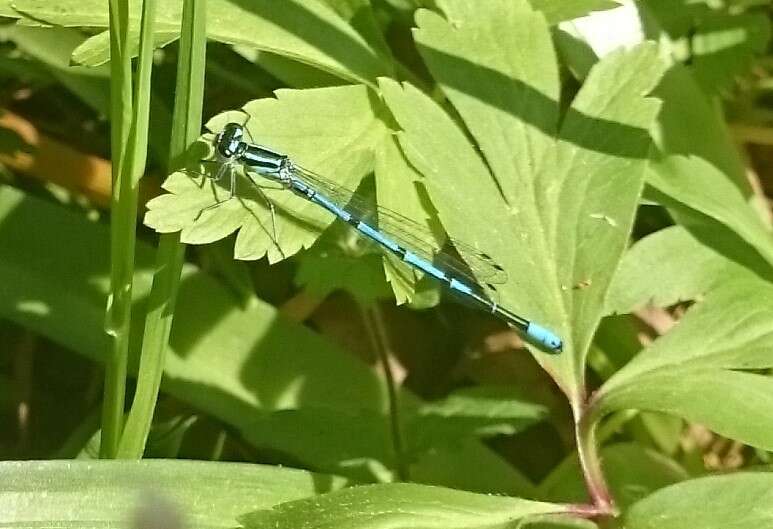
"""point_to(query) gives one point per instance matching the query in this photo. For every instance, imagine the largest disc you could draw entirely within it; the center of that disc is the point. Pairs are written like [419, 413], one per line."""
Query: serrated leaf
[498, 68]
[399, 505]
[332, 130]
[306, 31]
[716, 502]
[104, 494]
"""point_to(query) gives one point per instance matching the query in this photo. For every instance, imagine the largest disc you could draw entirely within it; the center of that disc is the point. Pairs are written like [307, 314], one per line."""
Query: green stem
[377, 332]
[186, 128]
[590, 462]
[117, 317]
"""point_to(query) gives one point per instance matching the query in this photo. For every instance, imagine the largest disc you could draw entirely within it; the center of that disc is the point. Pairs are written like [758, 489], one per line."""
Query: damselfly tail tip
[545, 337]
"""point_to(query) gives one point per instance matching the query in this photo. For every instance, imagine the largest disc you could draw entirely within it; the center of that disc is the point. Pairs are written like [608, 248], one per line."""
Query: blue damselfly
[407, 240]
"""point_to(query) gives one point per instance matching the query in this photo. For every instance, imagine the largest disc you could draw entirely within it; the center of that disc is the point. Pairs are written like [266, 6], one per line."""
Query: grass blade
[170, 256]
[118, 308]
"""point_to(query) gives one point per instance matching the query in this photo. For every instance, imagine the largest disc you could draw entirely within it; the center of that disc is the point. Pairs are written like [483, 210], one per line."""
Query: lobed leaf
[519, 213]
[332, 130]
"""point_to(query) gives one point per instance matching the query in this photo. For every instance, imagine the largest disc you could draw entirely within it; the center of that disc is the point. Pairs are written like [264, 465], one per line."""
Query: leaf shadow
[318, 33]
[497, 90]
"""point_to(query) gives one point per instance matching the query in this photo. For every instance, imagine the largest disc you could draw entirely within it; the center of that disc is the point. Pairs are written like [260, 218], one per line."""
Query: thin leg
[232, 184]
[270, 205]
[220, 172]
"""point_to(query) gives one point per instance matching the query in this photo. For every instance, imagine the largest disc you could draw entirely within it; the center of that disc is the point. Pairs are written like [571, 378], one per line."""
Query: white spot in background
[605, 31]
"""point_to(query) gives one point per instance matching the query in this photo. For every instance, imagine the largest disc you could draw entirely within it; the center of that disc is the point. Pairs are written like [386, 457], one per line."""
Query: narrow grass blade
[170, 256]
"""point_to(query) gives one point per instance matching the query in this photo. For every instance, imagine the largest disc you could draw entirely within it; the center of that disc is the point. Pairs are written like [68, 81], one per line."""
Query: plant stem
[585, 432]
[117, 317]
[377, 332]
[189, 96]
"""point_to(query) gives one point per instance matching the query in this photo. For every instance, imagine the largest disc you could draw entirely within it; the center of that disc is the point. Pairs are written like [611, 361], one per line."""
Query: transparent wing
[474, 265]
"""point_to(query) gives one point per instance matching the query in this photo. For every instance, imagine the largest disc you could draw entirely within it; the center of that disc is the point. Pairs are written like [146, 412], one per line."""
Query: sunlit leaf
[504, 84]
[328, 130]
[308, 32]
[104, 494]
[716, 502]
[399, 505]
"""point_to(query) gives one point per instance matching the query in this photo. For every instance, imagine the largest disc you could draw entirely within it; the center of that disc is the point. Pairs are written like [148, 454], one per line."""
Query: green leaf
[556, 11]
[477, 411]
[328, 268]
[716, 502]
[716, 398]
[396, 184]
[697, 184]
[170, 254]
[299, 123]
[727, 46]
[291, 73]
[444, 466]
[691, 123]
[665, 268]
[308, 32]
[731, 328]
[720, 41]
[498, 68]
[95, 50]
[688, 373]
[349, 442]
[103, 494]
[399, 505]
[239, 363]
[360, 15]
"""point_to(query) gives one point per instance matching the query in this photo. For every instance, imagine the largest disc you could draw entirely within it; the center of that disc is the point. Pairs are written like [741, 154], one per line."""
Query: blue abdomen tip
[544, 337]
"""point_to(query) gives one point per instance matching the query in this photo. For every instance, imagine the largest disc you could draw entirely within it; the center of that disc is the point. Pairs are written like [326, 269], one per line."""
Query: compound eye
[229, 139]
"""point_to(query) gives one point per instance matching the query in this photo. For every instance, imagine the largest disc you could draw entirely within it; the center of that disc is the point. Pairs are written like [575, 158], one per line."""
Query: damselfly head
[229, 141]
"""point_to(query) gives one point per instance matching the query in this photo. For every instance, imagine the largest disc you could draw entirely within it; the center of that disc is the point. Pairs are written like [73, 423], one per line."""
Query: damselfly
[395, 234]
